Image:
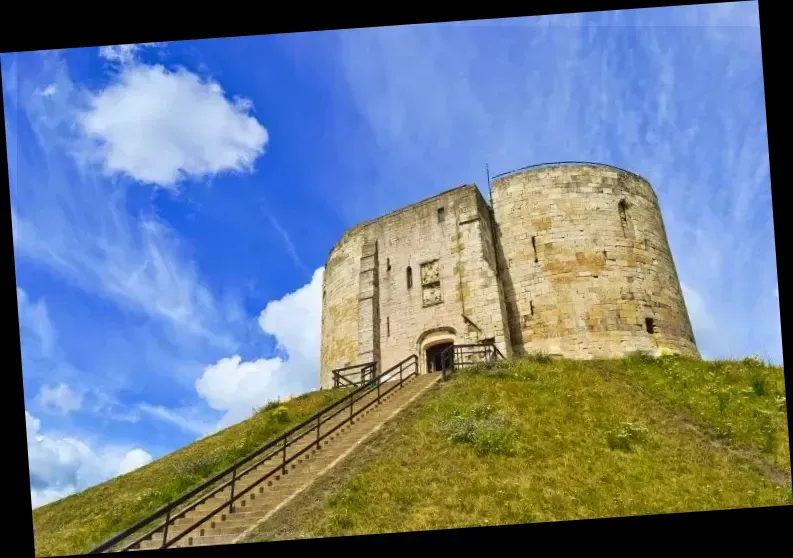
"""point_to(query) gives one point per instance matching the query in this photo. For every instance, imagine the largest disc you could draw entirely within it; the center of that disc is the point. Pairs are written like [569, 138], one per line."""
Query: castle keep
[570, 260]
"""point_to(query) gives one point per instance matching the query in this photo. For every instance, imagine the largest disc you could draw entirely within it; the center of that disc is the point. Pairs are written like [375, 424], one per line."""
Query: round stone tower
[585, 264]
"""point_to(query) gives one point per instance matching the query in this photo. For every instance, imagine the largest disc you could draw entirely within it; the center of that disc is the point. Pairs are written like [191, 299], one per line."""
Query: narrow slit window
[388, 264]
[623, 209]
[388, 327]
[441, 214]
[410, 277]
[531, 307]
[650, 325]
[534, 247]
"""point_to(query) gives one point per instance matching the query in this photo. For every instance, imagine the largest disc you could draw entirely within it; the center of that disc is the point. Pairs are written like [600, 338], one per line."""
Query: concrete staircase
[272, 494]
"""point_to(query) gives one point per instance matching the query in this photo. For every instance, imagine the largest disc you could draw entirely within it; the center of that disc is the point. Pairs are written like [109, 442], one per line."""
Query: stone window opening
[388, 327]
[441, 214]
[623, 210]
[388, 264]
[534, 247]
[410, 277]
[649, 323]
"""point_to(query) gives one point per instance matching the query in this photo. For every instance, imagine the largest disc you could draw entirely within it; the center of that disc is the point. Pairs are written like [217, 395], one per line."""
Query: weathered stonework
[571, 260]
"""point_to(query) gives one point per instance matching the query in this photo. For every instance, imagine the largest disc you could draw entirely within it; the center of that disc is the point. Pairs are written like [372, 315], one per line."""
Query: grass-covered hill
[529, 440]
[537, 440]
[79, 522]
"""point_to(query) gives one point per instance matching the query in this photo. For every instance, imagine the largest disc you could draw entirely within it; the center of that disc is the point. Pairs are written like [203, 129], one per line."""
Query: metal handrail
[365, 370]
[279, 444]
[451, 356]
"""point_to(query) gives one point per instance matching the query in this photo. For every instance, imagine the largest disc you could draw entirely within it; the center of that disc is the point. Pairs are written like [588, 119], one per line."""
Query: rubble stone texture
[572, 260]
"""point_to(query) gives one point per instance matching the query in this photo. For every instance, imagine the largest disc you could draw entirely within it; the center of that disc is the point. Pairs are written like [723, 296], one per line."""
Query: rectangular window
[387, 327]
[440, 214]
[534, 247]
[650, 324]
[388, 264]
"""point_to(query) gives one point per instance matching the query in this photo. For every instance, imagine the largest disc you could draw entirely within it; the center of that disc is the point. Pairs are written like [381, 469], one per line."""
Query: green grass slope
[534, 440]
[79, 522]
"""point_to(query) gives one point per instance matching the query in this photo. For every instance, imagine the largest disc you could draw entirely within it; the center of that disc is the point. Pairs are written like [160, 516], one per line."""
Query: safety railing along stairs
[226, 504]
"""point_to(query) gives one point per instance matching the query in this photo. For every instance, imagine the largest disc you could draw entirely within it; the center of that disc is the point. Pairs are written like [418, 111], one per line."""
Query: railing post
[318, 423]
[165, 529]
[351, 402]
[233, 479]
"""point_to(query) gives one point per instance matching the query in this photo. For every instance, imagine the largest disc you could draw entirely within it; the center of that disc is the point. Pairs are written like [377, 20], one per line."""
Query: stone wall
[446, 242]
[340, 297]
[586, 266]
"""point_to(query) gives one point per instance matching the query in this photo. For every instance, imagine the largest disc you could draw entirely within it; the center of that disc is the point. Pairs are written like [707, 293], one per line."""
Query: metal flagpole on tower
[489, 192]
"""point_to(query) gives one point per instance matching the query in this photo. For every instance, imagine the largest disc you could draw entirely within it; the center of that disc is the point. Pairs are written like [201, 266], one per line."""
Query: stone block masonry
[570, 260]
[587, 268]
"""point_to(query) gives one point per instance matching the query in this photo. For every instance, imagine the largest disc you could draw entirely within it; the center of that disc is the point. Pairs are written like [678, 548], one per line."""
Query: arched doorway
[435, 356]
[431, 345]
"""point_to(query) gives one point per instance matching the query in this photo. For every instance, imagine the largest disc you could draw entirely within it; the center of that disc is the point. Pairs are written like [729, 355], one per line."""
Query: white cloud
[185, 419]
[237, 387]
[83, 227]
[60, 399]
[701, 319]
[63, 465]
[134, 459]
[161, 127]
[43, 496]
[34, 318]
[124, 54]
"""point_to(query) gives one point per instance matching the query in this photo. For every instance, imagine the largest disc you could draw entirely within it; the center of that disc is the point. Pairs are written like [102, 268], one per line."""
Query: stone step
[257, 503]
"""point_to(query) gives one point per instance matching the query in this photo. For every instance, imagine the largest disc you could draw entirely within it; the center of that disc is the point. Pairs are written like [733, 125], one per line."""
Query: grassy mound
[79, 522]
[538, 440]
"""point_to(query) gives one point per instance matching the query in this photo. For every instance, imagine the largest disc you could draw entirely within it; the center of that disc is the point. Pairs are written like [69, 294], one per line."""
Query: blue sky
[173, 204]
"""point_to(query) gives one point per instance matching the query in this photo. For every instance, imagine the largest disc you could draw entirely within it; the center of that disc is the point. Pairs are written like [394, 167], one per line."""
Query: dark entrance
[434, 363]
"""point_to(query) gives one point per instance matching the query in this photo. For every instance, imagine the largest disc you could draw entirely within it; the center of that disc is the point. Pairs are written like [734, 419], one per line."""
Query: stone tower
[587, 269]
[572, 259]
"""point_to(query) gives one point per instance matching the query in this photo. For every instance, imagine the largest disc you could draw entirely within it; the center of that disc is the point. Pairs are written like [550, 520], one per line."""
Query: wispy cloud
[60, 399]
[290, 247]
[35, 318]
[185, 419]
[78, 224]
[125, 54]
[673, 94]
[93, 232]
